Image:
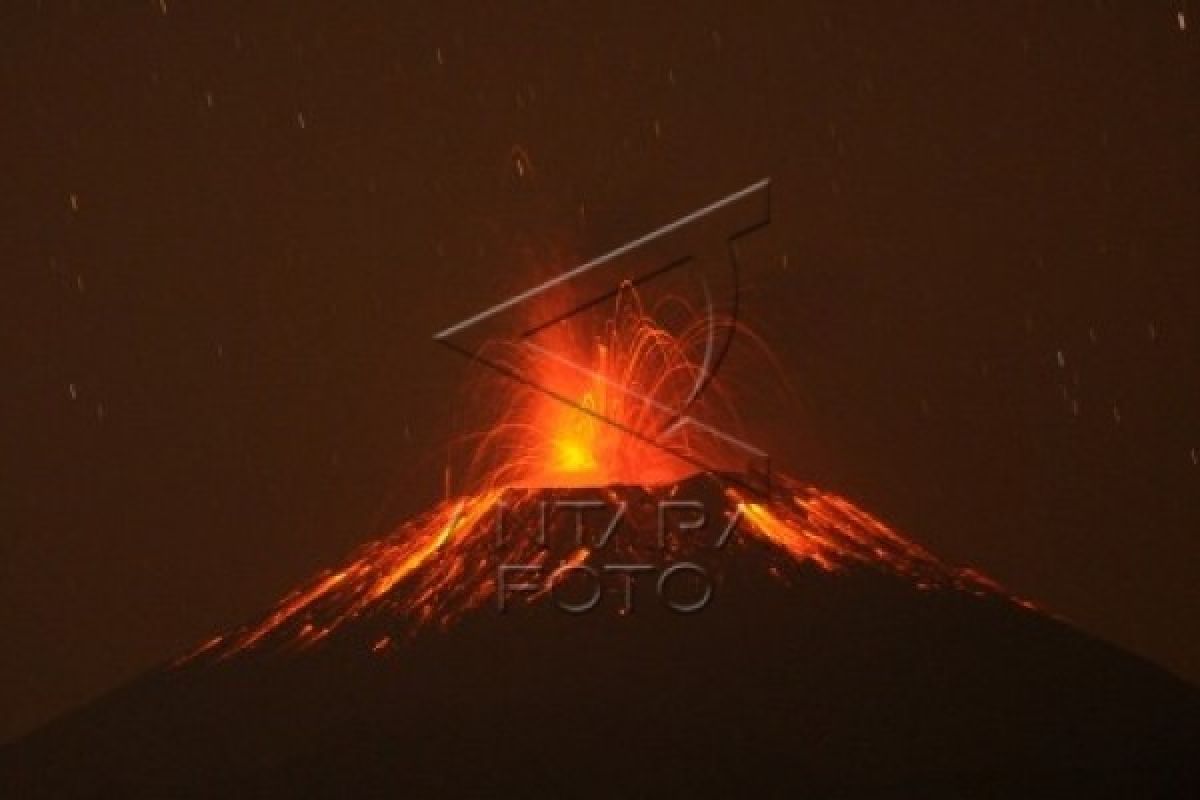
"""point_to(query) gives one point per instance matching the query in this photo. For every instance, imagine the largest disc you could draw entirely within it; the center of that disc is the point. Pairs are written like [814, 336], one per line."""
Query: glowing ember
[602, 404]
[594, 432]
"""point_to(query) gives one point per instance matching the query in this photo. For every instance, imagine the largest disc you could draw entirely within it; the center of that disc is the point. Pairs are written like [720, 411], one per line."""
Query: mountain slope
[834, 659]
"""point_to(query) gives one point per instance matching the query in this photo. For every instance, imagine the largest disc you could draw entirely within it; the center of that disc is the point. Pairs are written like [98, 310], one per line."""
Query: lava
[616, 401]
[598, 430]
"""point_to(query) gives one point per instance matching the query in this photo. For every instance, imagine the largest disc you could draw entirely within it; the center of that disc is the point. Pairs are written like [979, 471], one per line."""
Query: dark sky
[231, 230]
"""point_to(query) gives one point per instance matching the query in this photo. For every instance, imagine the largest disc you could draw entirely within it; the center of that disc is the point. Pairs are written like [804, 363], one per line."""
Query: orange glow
[598, 403]
[436, 567]
[595, 418]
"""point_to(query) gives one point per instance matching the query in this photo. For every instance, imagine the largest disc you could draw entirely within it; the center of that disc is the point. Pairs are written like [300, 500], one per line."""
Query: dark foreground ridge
[860, 680]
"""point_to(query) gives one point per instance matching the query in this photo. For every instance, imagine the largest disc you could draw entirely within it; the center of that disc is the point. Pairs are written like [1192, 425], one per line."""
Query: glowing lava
[590, 431]
[600, 404]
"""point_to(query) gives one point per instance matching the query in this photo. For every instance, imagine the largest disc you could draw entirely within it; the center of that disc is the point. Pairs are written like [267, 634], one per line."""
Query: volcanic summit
[833, 658]
[596, 616]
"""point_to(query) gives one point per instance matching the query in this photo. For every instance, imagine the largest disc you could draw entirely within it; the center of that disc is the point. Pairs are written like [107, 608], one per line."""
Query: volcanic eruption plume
[537, 632]
[596, 460]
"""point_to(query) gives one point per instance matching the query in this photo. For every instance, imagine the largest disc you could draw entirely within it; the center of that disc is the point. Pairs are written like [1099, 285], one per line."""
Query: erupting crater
[597, 481]
[610, 605]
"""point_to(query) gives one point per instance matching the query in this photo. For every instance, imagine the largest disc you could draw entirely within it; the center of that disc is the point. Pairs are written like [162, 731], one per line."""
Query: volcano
[608, 608]
[548, 642]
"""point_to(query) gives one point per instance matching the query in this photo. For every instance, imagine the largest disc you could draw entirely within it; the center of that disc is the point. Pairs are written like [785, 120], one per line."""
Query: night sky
[230, 233]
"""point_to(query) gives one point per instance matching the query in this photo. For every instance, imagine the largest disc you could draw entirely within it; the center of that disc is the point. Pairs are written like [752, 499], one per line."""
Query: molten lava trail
[433, 569]
[615, 444]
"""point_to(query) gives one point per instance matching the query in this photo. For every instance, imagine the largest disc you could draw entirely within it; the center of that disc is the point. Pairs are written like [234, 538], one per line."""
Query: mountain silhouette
[830, 657]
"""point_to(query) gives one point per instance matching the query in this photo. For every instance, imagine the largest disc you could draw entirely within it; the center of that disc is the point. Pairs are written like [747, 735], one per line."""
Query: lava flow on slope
[574, 495]
[604, 548]
[538, 633]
